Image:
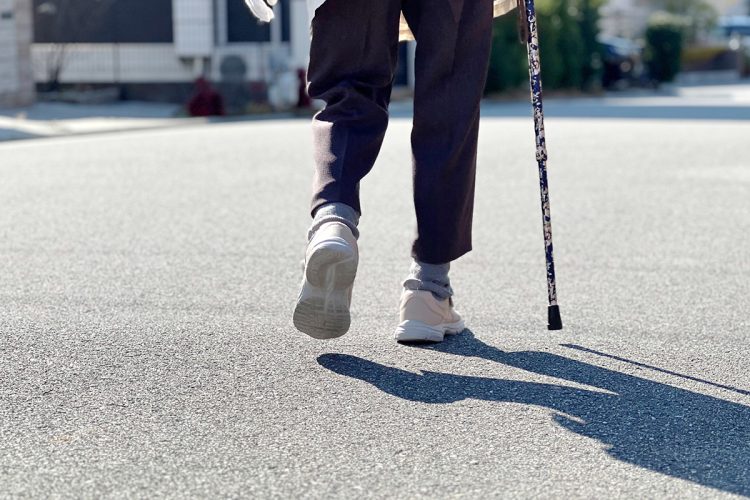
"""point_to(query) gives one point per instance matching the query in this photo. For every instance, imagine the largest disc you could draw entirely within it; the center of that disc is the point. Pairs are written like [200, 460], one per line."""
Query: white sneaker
[423, 318]
[322, 309]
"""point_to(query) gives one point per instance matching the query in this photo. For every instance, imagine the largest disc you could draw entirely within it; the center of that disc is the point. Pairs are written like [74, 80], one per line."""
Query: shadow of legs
[652, 425]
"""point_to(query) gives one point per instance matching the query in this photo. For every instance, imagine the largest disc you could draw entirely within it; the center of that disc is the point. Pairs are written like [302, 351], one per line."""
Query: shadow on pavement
[47, 111]
[588, 109]
[662, 428]
[619, 109]
[9, 134]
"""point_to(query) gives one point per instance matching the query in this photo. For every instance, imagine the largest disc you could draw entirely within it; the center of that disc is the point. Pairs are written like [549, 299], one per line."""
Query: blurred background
[211, 57]
[589, 45]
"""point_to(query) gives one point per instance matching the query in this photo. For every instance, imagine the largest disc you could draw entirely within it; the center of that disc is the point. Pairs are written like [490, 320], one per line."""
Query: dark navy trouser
[353, 58]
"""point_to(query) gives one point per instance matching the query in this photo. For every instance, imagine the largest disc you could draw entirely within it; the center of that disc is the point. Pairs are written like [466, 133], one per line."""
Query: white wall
[299, 28]
[16, 84]
[256, 56]
[8, 48]
[144, 63]
[193, 24]
[110, 63]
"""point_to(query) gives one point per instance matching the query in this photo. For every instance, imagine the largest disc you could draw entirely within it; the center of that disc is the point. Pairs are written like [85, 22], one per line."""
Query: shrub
[550, 28]
[567, 37]
[664, 39]
[508, 67]
[591, 70]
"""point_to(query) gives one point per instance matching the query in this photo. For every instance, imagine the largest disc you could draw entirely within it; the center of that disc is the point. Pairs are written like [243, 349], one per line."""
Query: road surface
[147, 280]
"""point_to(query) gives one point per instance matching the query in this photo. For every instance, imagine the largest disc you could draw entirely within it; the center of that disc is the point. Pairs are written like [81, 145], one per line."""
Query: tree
[568, 46]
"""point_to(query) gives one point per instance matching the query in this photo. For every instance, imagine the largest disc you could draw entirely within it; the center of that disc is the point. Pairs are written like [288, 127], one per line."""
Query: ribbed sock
[430, 277]
[334, 212]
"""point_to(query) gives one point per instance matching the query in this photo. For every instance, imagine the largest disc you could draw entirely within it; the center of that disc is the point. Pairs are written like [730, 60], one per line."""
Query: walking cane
[530, 36]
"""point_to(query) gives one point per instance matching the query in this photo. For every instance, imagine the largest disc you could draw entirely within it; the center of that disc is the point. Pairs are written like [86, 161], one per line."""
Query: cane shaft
[541, 145]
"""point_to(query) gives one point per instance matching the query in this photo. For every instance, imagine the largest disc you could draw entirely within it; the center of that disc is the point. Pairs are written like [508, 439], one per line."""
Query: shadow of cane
[665, 429]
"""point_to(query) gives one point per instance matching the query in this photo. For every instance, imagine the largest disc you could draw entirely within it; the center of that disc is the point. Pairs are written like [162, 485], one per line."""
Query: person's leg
[452, 59]
[353, 55]
[352, 63]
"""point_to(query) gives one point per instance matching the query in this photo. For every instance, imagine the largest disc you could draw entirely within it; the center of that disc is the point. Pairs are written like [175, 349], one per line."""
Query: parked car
[622, 61]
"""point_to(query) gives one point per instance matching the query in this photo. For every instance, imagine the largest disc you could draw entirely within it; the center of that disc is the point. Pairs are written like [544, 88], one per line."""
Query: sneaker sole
[418, 331]
[322, 309]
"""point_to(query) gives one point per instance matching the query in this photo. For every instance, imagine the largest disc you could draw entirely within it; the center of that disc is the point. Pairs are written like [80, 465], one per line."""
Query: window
[103, 21]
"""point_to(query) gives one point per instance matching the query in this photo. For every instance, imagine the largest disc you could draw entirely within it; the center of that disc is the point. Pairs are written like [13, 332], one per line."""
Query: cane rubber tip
[554, 322]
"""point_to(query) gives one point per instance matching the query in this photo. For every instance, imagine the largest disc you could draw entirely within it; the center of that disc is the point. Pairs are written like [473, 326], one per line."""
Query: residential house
[158, 47]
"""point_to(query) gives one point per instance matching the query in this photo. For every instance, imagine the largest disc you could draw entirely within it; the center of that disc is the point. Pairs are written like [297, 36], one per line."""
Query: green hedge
[567, 38]
[665, 36]
[508, 68]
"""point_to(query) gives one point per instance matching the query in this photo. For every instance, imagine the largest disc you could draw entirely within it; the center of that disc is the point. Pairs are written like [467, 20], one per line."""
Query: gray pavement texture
[55, 119]
[147, 350]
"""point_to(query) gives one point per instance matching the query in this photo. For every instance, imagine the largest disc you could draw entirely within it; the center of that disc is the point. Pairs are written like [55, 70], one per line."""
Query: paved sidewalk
[61, 119]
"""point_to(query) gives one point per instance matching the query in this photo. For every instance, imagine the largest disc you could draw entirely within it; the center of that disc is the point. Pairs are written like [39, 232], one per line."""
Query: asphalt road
[147, 350]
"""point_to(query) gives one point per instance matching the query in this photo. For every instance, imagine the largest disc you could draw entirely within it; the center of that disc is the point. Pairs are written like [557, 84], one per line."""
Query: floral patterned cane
[528, 29]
